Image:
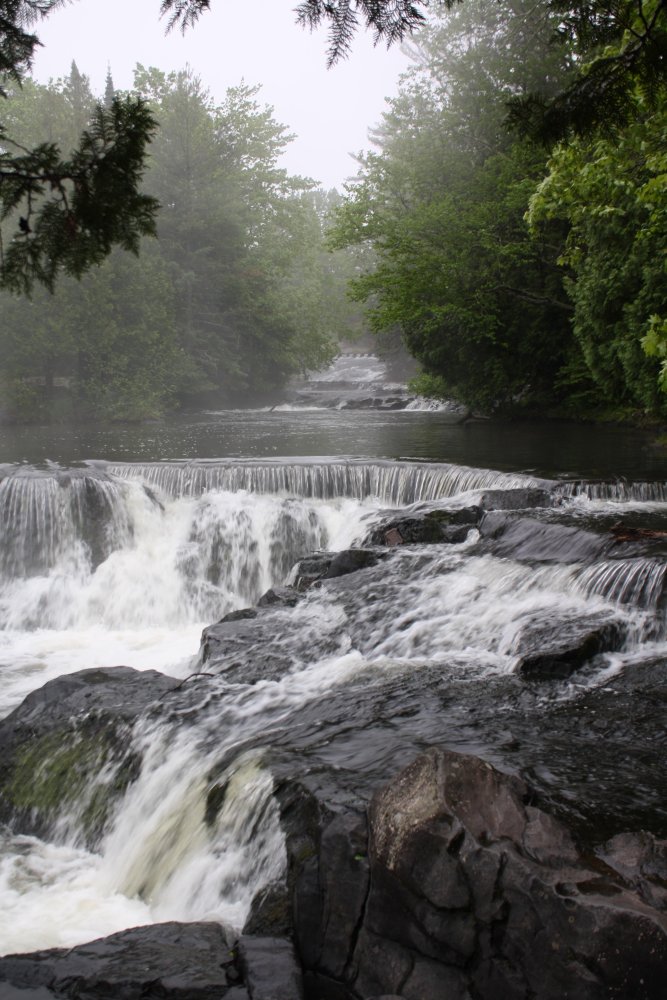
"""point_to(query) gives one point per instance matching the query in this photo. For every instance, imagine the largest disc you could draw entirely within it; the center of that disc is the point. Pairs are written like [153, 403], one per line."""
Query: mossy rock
[66, 752]
[73, 776]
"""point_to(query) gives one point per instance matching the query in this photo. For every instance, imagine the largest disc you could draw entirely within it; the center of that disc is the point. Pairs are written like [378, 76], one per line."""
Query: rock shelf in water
[448, 836]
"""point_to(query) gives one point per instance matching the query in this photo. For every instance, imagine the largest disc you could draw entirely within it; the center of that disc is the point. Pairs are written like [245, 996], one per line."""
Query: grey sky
[256, 40]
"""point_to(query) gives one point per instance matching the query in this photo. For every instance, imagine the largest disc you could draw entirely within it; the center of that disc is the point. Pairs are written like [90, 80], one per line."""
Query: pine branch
[67, 214]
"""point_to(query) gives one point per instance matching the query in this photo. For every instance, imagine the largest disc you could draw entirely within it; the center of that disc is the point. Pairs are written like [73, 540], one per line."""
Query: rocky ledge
[452, 883]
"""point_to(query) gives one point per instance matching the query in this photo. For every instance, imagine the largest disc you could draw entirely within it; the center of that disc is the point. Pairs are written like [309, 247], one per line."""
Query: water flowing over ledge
[346, 678]
[392, 482]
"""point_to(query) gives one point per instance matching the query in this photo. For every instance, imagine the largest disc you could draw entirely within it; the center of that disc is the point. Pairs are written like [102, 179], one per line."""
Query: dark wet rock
[270, 968]
[351, 560]
[311, 569]
[329, 565]
[247, 648]
[270, 914]
[121, 691]
[265, 645]
[530, 540]
[518, 499]
[286, 596]
[240, 615]
[424, 527]
[55, 743]
[169, 961]
[468, 888]
[558, 646]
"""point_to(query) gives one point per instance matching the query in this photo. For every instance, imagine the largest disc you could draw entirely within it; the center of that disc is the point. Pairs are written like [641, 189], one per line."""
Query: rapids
[125, 560]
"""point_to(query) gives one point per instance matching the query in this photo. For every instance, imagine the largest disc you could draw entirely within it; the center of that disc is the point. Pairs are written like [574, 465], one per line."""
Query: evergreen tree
[109, 89]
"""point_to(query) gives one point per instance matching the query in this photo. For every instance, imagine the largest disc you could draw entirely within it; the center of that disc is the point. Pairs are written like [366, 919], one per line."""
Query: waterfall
[43, 516]
[125, 563]
[640, 582]
[618, 490]
[396, 483]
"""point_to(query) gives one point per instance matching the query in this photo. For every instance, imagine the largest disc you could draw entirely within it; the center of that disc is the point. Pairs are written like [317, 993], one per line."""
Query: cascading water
[125, 563]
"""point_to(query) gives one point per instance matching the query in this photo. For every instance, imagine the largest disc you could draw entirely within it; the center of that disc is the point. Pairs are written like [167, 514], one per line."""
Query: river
[118, 545]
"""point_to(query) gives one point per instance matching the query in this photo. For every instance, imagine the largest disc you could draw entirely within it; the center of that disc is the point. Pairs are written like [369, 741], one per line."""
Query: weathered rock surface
[169, 961]
[522, 498]
[270, 968]
[55, 743]
[457, 886]
[329, 565]
[424, 527]
[559, 645]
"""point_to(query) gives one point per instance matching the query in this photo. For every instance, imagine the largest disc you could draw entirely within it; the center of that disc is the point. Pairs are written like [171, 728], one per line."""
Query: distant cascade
[640, 582]
[422, 403]
[620, 490]
[396, 483]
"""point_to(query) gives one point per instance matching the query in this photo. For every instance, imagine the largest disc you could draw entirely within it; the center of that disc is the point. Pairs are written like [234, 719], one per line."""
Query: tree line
[522, 258]
[237, 293]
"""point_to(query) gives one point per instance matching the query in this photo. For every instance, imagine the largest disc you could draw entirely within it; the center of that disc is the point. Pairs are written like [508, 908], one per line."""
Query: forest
[524, 274]
[507, 225]
[235, 295]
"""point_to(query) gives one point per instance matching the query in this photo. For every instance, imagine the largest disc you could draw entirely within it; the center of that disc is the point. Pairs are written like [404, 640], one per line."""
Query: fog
[330, 111]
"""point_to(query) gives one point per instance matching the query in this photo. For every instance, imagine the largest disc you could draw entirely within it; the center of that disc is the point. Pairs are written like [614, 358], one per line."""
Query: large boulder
[458, 885]
[58, 740]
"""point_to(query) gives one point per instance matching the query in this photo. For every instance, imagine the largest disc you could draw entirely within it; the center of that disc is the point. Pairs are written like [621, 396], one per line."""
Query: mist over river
[119, 545]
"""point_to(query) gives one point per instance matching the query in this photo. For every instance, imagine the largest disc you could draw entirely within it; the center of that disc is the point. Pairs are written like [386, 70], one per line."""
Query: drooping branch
[389, 20]
[67, 214]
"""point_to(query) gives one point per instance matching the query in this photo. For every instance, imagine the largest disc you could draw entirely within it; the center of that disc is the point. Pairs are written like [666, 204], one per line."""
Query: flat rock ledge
[170, 961]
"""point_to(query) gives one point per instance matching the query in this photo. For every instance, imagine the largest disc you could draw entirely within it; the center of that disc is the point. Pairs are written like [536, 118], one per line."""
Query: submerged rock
[530, 540]
[522, 498]
[559, 646]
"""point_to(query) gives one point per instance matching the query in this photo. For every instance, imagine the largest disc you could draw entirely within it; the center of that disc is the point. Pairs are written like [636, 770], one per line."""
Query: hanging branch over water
[65, 215]
[389, 20]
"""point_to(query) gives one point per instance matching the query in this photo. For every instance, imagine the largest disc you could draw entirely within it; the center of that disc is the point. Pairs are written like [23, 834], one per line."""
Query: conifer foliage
[63, 211]
[66, 214]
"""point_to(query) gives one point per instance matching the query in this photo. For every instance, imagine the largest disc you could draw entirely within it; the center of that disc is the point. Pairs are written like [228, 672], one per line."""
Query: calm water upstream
[550, 449]
[118, 545]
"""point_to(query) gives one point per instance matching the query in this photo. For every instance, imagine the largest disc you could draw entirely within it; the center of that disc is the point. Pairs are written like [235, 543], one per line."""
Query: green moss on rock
[75, 773]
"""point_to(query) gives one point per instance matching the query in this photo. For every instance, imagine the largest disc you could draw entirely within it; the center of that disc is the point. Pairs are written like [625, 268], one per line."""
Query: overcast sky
[255, 40]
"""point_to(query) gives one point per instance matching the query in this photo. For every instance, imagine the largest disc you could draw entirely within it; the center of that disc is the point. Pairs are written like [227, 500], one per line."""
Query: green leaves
[441, 203]
[612, 193]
